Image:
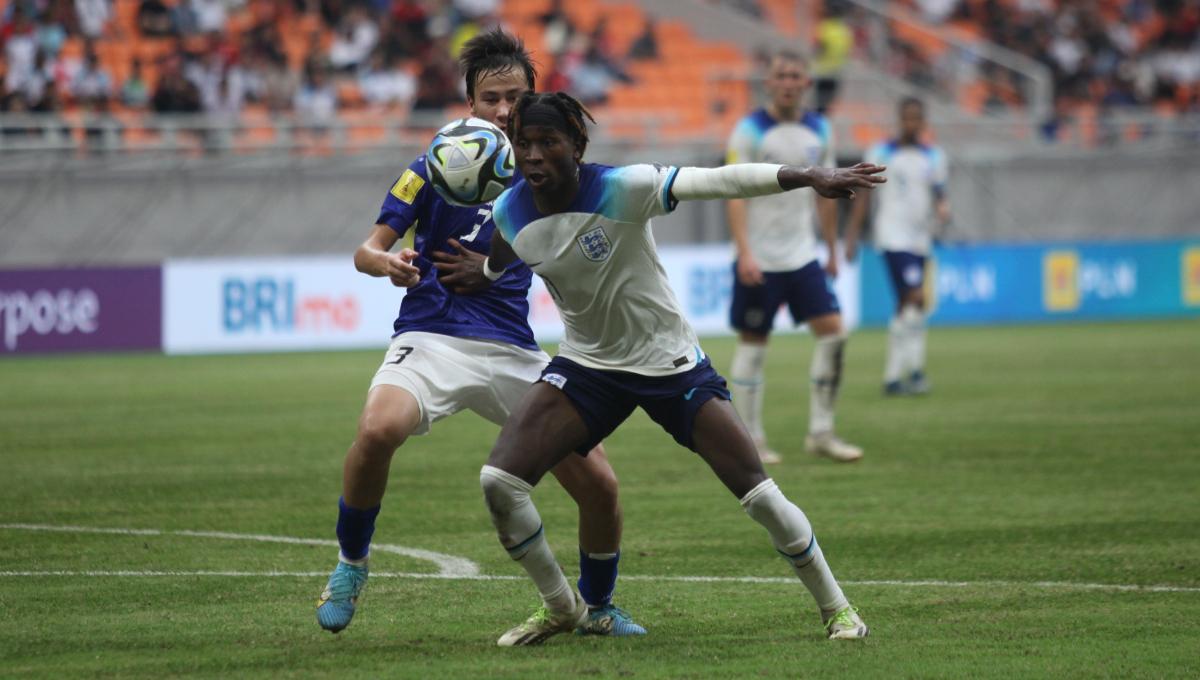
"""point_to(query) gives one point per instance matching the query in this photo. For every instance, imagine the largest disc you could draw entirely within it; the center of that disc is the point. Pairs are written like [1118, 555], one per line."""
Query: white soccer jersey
[781, 227]
[904, 207]
[600, 264]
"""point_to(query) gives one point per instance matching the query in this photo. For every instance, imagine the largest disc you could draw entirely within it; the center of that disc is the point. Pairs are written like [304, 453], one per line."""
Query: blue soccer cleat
[336, 606]
[609, 620]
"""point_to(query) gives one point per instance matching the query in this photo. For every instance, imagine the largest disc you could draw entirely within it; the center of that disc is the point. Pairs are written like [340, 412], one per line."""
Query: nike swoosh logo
[688, 396]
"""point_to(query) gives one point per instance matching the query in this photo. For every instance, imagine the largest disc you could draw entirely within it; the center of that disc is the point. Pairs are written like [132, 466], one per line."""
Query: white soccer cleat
[545, 624]
[846, 624]
[828, 445]
[766, 454]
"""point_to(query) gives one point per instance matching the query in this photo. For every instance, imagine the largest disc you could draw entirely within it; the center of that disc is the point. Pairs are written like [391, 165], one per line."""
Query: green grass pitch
[1066, 454]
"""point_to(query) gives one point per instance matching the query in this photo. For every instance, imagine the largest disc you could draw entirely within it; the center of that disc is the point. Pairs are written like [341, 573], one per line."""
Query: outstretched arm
[748, 180]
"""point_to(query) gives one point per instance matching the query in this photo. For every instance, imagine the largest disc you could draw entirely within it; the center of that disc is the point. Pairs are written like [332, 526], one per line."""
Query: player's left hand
[461, 272]
[831, 266]
[841, 182]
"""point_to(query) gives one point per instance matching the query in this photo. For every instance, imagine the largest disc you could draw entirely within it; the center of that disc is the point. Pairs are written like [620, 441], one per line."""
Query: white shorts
[447, 375]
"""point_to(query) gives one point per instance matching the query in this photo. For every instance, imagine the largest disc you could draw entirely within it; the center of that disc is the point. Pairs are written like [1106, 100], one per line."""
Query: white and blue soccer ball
[470, 162]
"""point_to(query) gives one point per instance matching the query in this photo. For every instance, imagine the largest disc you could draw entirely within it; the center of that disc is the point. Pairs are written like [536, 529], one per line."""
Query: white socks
[826, 377]
[746, 386]
[906, 344]
[914, 320]
[793, 538]
[520, 528]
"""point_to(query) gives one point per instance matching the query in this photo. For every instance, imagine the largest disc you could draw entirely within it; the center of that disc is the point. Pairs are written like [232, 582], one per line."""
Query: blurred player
[585, 230]
[907, 211]
[777, 260]
[452, 353]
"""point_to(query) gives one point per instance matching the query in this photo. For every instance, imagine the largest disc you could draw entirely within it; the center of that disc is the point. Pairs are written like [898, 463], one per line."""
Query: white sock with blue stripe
[520, 528]
[793, 538]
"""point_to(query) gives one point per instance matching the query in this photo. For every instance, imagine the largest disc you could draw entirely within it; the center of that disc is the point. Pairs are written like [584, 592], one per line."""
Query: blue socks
[598, 577]
[354, 530]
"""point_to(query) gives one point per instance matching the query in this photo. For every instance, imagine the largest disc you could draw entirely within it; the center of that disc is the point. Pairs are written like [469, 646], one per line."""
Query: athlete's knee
[381, 434]
[513, 514]
[790, 529]
[915, 297]
[502, 492]
[591, 482]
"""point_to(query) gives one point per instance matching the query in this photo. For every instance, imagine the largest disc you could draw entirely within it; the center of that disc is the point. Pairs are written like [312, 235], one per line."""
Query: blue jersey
[499, 313]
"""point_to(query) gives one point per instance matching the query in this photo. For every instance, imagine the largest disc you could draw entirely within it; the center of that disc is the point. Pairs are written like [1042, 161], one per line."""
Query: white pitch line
[449, 566]
[767, 580]
[454, 568]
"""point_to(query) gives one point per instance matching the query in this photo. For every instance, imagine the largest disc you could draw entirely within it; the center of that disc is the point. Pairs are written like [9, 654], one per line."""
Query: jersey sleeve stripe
[668, 201]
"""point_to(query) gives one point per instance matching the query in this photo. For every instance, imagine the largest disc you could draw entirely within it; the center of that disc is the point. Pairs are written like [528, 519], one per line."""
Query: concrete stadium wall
[83, 211]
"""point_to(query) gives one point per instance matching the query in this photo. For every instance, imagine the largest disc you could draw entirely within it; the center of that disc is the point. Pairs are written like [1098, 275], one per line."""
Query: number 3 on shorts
[401, 354]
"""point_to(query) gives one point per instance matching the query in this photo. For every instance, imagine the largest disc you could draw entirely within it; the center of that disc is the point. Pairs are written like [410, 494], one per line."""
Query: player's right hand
[841, 182]
[400, 269]
[748, 272]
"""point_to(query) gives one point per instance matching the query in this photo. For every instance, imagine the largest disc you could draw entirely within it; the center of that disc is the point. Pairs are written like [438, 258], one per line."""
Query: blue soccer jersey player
[907, 211]
[455, 352]
[585, 229]
[777, 260]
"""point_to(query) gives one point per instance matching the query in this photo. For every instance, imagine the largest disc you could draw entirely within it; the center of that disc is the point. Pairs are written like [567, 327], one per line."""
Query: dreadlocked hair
[571, 109]
[494, 52]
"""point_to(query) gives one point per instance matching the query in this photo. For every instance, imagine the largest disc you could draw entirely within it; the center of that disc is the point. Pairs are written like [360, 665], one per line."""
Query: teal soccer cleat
[609, 620]
[336, 606]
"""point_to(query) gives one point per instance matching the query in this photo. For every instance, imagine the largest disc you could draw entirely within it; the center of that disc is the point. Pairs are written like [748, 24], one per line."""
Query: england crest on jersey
[595, 245]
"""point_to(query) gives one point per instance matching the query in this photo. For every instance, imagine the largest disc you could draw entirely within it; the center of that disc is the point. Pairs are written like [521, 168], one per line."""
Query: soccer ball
[470, 162]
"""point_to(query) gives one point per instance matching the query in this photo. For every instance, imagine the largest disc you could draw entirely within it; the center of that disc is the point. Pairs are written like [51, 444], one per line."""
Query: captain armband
[744, 180]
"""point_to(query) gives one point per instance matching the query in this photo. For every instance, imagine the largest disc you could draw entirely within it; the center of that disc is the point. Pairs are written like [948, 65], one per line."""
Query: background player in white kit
[777, 259]
[907, 211]
[585, 229]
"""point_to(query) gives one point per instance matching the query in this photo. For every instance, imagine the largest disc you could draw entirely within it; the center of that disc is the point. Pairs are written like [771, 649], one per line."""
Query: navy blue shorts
[606, 398]
[807, 292]
[907, 270]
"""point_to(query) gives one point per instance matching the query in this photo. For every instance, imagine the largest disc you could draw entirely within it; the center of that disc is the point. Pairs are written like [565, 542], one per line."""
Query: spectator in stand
[316, 100]
[386, 83]
[208, 16]
[134, 92]
[409, 28]
[52, 27]
[835, 41]
[587, 71]
[155, 20]
[20, 50]
[354, 40]
[93, 16]
[175, 93]
[557, 29]
[601, 52]
[92, 85]
[645, 46]
[438, 82]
